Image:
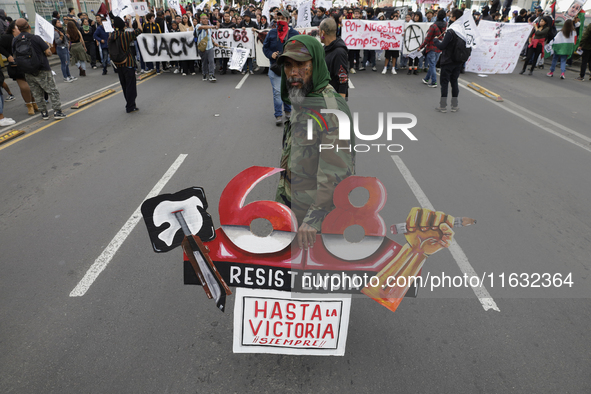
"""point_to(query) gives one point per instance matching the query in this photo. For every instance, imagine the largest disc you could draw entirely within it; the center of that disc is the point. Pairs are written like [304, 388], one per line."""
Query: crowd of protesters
[81, 41]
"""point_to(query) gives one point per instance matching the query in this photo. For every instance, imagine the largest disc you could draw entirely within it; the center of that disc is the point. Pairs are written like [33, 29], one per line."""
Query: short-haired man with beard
[311, 174]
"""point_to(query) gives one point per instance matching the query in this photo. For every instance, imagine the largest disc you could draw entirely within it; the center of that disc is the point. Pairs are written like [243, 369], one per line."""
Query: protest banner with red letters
[268, 321]
[379, 35]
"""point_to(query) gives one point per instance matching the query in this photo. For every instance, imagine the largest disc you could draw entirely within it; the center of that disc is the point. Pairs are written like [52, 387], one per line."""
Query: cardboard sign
[141, 8]
[239, 56]
[267, 321]
[380, 35]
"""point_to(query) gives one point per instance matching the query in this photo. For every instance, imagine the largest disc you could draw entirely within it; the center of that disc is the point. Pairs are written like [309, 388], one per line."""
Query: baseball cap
[295, 50]
[285, 13]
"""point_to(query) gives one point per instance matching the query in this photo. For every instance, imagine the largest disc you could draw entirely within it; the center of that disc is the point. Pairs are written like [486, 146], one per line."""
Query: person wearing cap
[272, 48]
[43, 82]
[311, 175]
[336, 56]
[126, 69]
[476, 15]
[248, 23]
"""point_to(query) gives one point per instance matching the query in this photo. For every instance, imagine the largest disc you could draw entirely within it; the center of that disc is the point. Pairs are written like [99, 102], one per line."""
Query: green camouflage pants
[44, 82]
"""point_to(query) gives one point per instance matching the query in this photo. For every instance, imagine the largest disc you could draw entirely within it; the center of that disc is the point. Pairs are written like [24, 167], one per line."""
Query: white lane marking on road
[535, 122]
[456, 251]
[105, 258]
[66, 104]
[351, 84]
[242, 81]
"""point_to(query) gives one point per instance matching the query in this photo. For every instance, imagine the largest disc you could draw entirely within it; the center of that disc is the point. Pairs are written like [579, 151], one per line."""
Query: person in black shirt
[337, 56]
[248, 23]
[227, 24]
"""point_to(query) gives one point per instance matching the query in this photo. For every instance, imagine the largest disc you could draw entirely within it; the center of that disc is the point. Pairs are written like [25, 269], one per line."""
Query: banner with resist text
[379, 35]
[169, 47]
[499, 48]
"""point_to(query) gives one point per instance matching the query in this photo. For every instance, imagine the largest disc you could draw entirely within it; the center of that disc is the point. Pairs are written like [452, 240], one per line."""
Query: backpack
[116, 52]
[25, 56]
[461, 54]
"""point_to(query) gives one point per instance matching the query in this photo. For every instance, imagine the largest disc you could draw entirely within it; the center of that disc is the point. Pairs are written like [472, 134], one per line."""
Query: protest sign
[381, 35]
[304, 14]
[414, 35]
[43, 29]
[174, 4]
[108, 27]
[269, 321]
[501, 44]
[180, 46]
[122, 8]
[239, 56]
[326, 4]
[141, 8]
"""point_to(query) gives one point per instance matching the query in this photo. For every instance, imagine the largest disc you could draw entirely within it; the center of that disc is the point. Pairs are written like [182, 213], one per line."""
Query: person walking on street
[101, 36]
[126, 69]
[203, 32]
[41, 81]
[78, 48]
[62, 48]
[435, 30]
[273, 48]
[585, 46]
[87, 32]
[563, 46]
[337, 56]
[450, 67]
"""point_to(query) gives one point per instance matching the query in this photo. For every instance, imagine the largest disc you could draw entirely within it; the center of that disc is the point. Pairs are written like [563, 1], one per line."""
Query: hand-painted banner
[239, 56]
[304, 14]
[180, 46]
[414, 35]
[361, 34]
[498, 52]
[277, 322]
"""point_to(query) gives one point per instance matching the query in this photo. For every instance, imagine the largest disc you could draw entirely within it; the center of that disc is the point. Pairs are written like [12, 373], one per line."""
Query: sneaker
[455, 109]
[6, 122]
[550, 74]
[212, 78]
[68, 80]
[580, 78]
[243, 72]
[184, 74]
[278, 121]
[385, 71]
[104, 72]
[374, 68]
[176, 71]
[288, 115]
[59, 115]
[257, 69]
[432, 85]
[409, 72]
[441, 109]
[251, 72]
[193, 74]
[352, 71]
[562, 76]
[416, 72]
[44, 115]
[393, 71]
[204, 78]
[135, 109]
[158, 72]
[362, 68]
[73, 78]
[94, 67]
[10, 97]
[425, 81]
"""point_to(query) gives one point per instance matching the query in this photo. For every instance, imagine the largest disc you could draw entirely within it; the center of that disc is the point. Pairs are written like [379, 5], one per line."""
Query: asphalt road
[520, 167]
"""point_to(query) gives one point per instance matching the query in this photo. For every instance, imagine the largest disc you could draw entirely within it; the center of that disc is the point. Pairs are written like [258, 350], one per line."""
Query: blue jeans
[64, 55]
[555, 59]
[248, 64]
[277, 102]
[432, 58]
[105, 58]
[369, 56]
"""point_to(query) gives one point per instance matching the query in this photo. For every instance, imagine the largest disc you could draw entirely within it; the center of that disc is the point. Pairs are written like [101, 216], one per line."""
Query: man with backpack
[30, 53]
[454, 53]
[121, 55]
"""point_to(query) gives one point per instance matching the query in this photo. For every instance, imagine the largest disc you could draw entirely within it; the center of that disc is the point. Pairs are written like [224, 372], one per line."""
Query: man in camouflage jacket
[312, 168]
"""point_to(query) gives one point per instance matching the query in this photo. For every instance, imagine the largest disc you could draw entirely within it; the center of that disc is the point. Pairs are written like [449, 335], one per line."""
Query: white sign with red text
[380, 35]
[278, 322]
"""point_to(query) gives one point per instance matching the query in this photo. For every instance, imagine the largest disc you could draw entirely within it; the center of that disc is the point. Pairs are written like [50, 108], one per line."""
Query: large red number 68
[235, 217]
